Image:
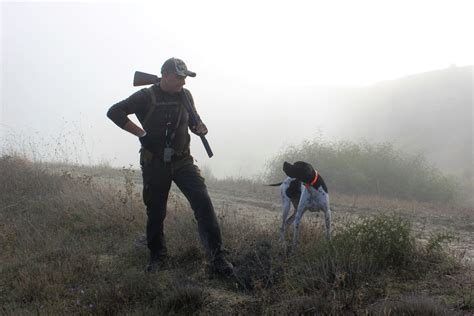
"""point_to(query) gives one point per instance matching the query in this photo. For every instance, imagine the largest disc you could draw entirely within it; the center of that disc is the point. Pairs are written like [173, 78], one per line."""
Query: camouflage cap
[176, 66]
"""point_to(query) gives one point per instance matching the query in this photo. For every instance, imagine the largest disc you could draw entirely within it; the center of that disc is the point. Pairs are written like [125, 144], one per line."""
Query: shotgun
[143, 78]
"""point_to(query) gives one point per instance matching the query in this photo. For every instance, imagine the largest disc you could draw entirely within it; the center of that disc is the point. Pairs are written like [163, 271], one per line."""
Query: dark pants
[157, 177]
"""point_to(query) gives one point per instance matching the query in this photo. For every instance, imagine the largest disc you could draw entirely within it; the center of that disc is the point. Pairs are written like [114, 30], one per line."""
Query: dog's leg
[327, 215]
[286, 209]
[304, 199]
[322, 202]
[291, 219]
[327, 219]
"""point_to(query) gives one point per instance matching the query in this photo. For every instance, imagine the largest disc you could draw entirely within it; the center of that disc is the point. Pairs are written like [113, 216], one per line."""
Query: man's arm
[198, 128]
[134, 129]
[119, 112]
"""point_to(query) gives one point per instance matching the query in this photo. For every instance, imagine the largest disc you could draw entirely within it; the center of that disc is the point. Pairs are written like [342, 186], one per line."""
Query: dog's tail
[274, 184]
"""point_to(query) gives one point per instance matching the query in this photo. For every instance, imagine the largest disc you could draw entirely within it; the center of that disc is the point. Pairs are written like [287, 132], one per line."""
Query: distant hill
[429, 113]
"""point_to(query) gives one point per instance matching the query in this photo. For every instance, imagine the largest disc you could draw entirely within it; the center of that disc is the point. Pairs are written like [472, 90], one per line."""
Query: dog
[306, 190]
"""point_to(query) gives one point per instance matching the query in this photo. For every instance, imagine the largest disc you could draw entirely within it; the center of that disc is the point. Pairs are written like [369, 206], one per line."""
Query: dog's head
[300, 170]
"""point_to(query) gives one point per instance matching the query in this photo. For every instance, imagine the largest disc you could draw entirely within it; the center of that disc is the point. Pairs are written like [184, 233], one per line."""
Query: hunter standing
[165, 157]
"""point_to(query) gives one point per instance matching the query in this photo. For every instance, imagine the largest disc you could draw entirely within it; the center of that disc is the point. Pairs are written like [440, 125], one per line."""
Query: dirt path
[427, 220]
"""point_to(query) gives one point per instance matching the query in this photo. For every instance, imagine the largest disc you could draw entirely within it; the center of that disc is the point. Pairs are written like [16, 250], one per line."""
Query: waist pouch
[147, 156]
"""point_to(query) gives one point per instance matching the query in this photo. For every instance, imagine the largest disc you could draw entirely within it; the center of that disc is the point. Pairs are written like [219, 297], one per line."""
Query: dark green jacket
[169, 110]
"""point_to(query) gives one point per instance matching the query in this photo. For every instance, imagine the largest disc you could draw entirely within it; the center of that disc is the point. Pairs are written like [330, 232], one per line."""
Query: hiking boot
[221, 266]
[156, 263]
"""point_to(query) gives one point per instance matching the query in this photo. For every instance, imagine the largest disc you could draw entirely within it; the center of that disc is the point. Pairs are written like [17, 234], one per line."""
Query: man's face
[172, 82]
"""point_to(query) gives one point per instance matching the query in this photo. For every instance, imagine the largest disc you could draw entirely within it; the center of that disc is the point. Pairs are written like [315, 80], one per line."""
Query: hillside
[429, 113]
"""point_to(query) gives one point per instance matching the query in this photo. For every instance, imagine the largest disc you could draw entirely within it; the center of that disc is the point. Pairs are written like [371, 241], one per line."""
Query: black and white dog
[306, 190]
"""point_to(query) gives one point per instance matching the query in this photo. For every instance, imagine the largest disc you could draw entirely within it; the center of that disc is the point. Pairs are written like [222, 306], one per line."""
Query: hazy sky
[63, 64]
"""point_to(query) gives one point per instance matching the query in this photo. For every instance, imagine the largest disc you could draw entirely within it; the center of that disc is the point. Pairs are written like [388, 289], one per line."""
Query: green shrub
[385, 239]
[354, 256]
[363, 168]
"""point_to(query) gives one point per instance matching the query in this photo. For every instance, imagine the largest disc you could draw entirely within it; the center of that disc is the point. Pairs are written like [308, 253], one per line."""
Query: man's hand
[200, 129]
[145, 140]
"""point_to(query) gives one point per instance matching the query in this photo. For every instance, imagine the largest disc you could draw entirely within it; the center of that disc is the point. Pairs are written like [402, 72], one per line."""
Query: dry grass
[67, 241]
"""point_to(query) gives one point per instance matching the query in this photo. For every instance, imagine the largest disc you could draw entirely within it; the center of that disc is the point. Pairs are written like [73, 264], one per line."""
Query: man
[165, 157]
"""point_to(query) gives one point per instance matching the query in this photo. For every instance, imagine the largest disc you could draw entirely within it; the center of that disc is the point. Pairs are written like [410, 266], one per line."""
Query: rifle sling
[152, 96]
[189, 108]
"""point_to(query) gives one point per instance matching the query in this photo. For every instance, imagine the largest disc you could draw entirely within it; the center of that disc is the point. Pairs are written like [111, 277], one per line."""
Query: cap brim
[185, 73]
[190, 73]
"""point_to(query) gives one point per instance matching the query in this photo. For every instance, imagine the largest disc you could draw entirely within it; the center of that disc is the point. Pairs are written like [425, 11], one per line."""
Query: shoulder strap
[189, 106]
[180, 110]
[152, 96]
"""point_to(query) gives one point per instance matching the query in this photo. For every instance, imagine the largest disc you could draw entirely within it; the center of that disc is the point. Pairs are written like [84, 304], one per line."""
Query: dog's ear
[288, 169]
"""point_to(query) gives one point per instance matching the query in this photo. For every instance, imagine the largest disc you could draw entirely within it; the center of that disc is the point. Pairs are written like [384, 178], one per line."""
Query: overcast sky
[63, 64]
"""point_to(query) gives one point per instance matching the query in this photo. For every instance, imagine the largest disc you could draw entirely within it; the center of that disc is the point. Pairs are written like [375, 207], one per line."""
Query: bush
[384, 239]
[354, 256]
[363, 168]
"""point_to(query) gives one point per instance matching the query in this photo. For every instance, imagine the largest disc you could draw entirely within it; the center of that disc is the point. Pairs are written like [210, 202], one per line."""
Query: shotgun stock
[143, 78]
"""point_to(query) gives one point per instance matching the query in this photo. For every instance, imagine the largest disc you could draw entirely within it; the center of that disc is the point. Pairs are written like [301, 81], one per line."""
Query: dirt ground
[249, 199]
[255, 202]
[427, 219]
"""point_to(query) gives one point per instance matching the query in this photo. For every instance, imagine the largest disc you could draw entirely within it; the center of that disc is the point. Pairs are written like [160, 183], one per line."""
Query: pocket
[147, 175]
[146, 157]
[146, 193]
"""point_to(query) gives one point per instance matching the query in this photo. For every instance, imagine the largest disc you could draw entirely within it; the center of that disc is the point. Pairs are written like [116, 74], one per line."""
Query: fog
[269, 74]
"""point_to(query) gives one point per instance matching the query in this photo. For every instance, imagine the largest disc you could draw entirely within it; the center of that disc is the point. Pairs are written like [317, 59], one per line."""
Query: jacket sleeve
[193, 108]
[135, 104]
